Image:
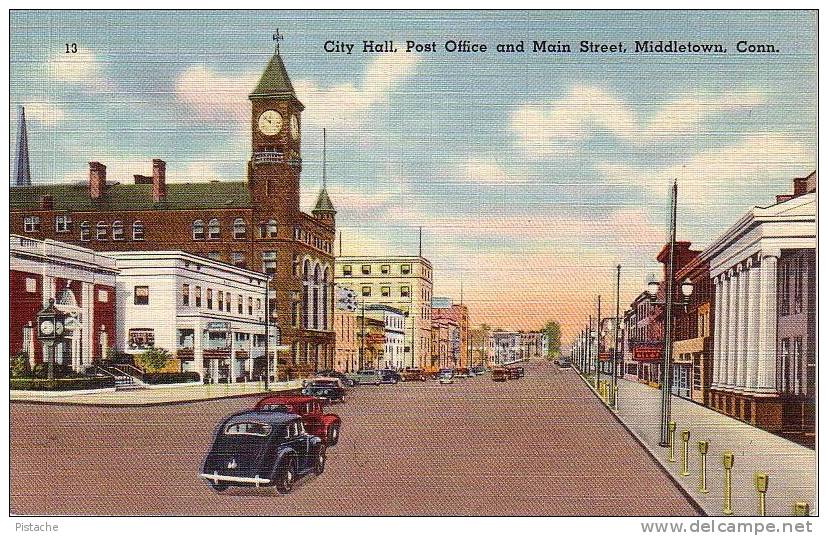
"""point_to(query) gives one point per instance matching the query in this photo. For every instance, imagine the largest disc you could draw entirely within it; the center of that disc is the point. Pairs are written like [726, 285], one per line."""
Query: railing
[268, 157]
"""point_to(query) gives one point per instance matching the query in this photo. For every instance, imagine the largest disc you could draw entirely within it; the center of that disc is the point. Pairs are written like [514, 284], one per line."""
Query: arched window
[138, 230]
[272, 227]
[198, 230]
[326, 283]
[239, 229]
[306, 293]
[85, 231]
[214, 229]
[117, 230]
[101, 229]
[317, 276]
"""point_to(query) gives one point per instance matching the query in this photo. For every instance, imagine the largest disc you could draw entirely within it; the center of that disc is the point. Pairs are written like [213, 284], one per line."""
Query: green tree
[19, 366]
[552, 332]
[153, 359]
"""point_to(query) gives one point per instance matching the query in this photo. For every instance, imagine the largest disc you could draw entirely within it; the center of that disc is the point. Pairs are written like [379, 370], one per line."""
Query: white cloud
[225, 99]
[82, 69]
[44, 113]
[559, 127]
[484, 171]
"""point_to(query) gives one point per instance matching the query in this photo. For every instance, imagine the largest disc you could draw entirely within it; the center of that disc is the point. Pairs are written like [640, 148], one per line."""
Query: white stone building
[209, 314]
[394, 320]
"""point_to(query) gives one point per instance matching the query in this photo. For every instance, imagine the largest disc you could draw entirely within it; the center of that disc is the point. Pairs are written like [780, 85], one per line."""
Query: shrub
[153, 359]
[41, 370]
[157, 378]
[19, 365]
[61, 384]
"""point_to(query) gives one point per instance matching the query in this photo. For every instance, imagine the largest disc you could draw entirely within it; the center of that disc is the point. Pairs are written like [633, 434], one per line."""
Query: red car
[323, 425]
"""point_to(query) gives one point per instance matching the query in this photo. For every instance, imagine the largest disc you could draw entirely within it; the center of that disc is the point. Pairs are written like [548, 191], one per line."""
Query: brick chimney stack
[97, 179]
[159, 180]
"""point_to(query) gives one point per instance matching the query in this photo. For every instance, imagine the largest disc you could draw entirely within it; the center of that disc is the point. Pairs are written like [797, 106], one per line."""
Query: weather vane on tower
[277, 37]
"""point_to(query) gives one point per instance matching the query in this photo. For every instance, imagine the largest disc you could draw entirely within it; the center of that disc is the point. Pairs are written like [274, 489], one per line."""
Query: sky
[533, 175]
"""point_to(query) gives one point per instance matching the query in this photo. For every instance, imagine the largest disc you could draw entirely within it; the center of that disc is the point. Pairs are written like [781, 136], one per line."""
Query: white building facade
[208, 314]
[394, 320]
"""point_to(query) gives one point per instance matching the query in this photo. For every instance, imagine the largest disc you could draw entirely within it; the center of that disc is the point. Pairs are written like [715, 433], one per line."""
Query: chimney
[159, 180]
[97, 179]
[47, 202]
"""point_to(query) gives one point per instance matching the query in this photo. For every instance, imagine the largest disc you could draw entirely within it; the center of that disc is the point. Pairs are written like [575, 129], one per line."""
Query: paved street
[542, 445]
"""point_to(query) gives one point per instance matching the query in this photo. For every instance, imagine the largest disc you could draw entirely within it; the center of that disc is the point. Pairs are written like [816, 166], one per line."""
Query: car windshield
[281, 408]
[248, 428]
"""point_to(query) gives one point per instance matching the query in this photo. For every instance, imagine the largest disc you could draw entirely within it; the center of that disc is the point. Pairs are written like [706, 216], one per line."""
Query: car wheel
[333, 435]
[219, 486]
[351, 383]
[319, 462]
[286, 476]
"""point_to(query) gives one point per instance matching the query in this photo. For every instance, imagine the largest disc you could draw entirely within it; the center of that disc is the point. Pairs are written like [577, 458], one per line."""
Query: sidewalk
[791, 468]
[158, 396]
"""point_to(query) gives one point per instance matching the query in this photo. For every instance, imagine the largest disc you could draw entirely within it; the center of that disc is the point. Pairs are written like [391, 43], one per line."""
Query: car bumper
[216, 478]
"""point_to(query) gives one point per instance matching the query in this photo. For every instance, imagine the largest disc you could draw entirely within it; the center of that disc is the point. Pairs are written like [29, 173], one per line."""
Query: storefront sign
[218, 326]
[647, 353]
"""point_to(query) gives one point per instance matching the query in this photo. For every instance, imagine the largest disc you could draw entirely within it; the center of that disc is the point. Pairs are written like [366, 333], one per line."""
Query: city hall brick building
[254, 223]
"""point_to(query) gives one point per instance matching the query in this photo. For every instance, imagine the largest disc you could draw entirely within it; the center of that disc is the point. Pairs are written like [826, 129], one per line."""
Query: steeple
[22, 174]
[324, 209]
[275, 81]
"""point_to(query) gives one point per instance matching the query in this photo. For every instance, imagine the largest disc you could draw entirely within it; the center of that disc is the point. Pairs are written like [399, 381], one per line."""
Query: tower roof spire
[274, 81]
[323, 201]
[22, 173]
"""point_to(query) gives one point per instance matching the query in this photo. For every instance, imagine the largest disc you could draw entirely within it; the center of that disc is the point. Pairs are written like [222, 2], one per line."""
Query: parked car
[500, 374]
[323, 425]
[446, 375]
[332, 374]
[462, 372]
[366, 376]
[413, 375]
[328, 390]
[515, 372]
[262, 448]
[563, 363]
[477, 370]
[389, 376]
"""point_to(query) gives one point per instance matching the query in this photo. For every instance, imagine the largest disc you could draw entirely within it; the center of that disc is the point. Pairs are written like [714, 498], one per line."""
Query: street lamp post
[50, 326]
[615, 345]
[598, 346]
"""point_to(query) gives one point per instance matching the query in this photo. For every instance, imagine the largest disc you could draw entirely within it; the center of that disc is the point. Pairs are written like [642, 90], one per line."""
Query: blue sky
[532, 175]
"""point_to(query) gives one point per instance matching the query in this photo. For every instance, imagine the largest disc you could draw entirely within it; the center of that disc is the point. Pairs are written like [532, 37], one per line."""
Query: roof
[266, 417]
[323, 202]
[275, 81]
[191, 195]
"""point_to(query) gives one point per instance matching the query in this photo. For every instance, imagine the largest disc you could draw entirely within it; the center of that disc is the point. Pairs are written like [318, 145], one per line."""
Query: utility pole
[598, 346]
[617, 328]
[667, 356]
[362, 339]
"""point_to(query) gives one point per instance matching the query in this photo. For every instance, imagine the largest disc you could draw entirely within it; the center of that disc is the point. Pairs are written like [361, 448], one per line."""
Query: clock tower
[276, 161]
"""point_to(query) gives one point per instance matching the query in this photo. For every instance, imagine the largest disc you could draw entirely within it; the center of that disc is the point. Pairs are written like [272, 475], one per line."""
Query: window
[269, 262]
[296, 264]
[240, 304]
[799, 277]
[214, 229]
[385, 269]
[227, 306]
[248, 428]
[198, 230]
[185, 294]
[209, 298]
[220, 297]
[141, 296]
[103, 296]
[294, 315]
[238, 259]
[405, 292]
[63, 224]
[198, 296]
[101, 229]
[385, 291]
[31, 285]
[405, 269]
[141, 338]
[268, 229]
[117, 230]
[31, 224]
[366, 269]
[249, 305]
[85, 231]
[214, 255]
[138, 231]
[347, 269]
[239, 229]
[258, 304]
[366, 291]
[783, 372]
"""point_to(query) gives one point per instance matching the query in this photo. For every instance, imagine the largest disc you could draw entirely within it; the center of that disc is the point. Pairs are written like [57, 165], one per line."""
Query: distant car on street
[389, 376]
[477, 370]
[365, 376]
[515, 372]
[332, 374]
[262, 448]
[563, 363]
[500, 374]
[328, 390]
[413, 375]
[445, 376]
[462, 372]
[323, 425]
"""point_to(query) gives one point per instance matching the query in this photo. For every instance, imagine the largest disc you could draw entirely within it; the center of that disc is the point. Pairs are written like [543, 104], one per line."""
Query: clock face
[294, 127]
[270, 122]
[47, 327]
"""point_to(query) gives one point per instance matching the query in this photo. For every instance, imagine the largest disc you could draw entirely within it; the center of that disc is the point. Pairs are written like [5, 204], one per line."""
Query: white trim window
[63, 223]
[31, 224]
[213, 229]
[138, 231]
[101, 230]
[198, 230]
[239, 229]
[85, 231]
[117, 230]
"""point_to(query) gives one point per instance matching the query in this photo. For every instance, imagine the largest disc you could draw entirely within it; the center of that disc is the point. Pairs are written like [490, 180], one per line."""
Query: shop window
[141, 295]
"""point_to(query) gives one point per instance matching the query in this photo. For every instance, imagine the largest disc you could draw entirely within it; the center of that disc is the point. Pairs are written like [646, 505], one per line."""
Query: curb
[693, 502]
[148, 404]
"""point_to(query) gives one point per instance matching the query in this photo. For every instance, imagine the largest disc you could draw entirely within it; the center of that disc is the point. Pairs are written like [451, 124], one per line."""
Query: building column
[732, 327]
[742, 333]
[725, 330]
[198, 350]
[717, 332]
[753, 332]
[766, 368]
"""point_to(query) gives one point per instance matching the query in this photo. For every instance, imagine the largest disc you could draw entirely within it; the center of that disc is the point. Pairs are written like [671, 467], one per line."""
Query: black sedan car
[262, 448]
[389, 376]
[328, 390]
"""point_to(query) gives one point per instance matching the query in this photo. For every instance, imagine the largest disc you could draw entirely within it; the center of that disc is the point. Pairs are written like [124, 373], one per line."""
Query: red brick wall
[103, 315]
[24, 306]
